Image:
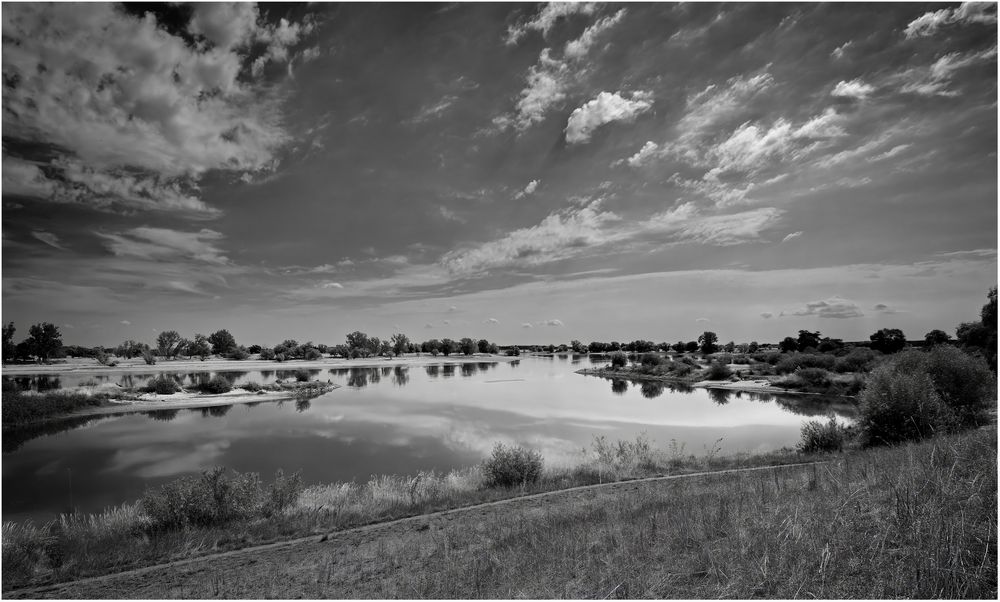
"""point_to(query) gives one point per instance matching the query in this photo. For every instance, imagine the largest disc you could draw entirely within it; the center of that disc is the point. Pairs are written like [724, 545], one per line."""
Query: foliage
[858, 359]
[168, 343]
[313, 354]
[216, 385]
[44, 340]
[129, 349]
[467, 346]
[252, 386]
[707, 342]
[937, 337]
[239, 354]
[222, 342]
[794, 361]
[718, 371]
[788, 344]
[103, 358]
[899, 405]
[267, 354]
[807, 339]
[400, 343]
[650, 360]
[512, 466]
[448, 346]
[148, 357]
[25, 406]
[964, 382]
[818, 437]
[8, 342]
[302, 376]
[888, 340]
[618, 360]
[200, 347]
[815, 377]
[162, 385]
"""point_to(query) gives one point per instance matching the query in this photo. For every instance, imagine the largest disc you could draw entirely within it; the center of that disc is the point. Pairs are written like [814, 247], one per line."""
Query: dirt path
[342, 564]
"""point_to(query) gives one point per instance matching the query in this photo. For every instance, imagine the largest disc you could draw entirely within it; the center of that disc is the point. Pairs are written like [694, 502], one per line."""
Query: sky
[525, 173]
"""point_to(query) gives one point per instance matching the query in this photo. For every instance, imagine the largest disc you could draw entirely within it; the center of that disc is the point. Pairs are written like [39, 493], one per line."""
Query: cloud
[838, 52]
[546, 19]
[331, 285]
[435, 110]
[546, 87]
[491, 321]
[162, 244]
[934, 80]
[579, 47]
[452, 309]
[644, 155]
[791, 236]
[25, 178]
[882, 308]
[553, 322]
[855, 88]
[126, 322]
[605, 108]
[892, 152]
[48, 238]
[702, 320]
[526, 325]
[529, 189]
[766, 315]
[969, 12]
[428, 325]
[834, 307]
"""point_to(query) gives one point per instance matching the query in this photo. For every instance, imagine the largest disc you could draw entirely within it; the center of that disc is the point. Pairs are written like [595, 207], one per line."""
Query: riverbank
[914, 521]
[86, 366]
[758, 385]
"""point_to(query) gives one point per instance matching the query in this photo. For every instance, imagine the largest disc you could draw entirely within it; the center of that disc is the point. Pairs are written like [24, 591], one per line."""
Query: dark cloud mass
[304, 170]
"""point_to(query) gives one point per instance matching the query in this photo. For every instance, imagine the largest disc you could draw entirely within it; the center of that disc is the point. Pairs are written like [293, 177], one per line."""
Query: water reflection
[35, 383]
[433, 371]
[163, 415]
[619, 387]
[651, 389]
[448, 371]
[400, 376]
[216, 411]
[720, 396]
[302, 404]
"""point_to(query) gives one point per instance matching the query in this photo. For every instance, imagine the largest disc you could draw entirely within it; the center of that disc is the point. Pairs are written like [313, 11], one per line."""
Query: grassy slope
[916, 521]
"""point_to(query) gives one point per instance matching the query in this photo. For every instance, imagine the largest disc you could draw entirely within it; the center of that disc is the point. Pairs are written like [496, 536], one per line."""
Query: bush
[251, 386]
[267, 354]
[313, 354]
[618, 360]
[510, 466]
[965, 383]
[814, 377]
[162, 385]
[819, 437]
[769, 357]
[148, 357]
[239, 354]
[681, 369]
[302, 376]
[718, 371]
[216, 385]
[650, 360]
[858, 359]
[280, 357]
[792, 362]
[900, 405]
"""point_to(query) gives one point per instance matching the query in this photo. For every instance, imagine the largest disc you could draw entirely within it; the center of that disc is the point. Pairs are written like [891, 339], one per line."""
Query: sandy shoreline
[90, 366]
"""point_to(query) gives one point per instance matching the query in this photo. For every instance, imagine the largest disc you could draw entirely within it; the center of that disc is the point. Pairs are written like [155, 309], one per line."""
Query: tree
[44, 340]
[167, 343]
[400, 344]
[808, 339]
[222, 342]
[788, 344]
[129, 349]
[679, 346]
[937, 337]
[357, 340]
[578, 347]
[753, 347]
[729, 347]
[888, 340]
[827, 344]
[618, 360]
[989, 311]
[708, 341]
[8, 342]
[448, 346]
[199, 347]
[374, 346]
[467, 346]
[691, 346]
[483, 345]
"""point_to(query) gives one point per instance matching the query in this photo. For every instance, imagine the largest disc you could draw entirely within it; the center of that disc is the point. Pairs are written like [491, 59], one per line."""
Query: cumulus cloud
[579, 47]
[552, 322]
[834, 307]
[702, 320]
[491, 321]
[644, 155]
[162, 243]
[48, 238]
[766, 315]
[838, 52]
[969, 12]
[855, 88]
[546, 19]
[529, 189]
[126, 322]
[133, 110]
[606, 108]
[792, 236]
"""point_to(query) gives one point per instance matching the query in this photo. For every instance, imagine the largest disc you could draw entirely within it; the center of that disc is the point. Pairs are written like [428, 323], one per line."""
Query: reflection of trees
[618, 387]
[448, 370]
[484, 366]
[515, 363]
[216, 411]
[266, 373]
[163, 415]
[375, 375]
[357, 378]
[301, 405]
[818, 405]
[386, 370]
[681, 388]
[433, 371]
[468, 369]
[651, 389]
[720, 396]
[400, 376]
[14, 438]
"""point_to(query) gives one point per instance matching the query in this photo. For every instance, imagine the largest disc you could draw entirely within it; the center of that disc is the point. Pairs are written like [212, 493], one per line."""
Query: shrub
[251, 386]
[302, 376]
[313, 354]
[267, 354]
[618, 360]
[815, 377]
[858, 359]
[281, 493]
[690, 361]
[162, 385]
[718, 371]
[681, 369]
[820, 437]
[965, 383]
[210, 499]
[216, 385]
[650, 360]
[900, 405]
[769, 357]
[239, 354]
[148, 357]
[510, 466]
[280, 357]
[792, 362]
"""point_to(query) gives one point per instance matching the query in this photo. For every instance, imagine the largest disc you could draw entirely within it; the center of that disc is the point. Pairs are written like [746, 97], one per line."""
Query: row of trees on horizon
[44, 342]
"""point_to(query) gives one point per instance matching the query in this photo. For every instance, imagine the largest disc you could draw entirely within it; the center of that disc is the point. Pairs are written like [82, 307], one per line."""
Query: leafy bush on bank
[162, 385]
[216, 385]
[512, 466]
[819, 437]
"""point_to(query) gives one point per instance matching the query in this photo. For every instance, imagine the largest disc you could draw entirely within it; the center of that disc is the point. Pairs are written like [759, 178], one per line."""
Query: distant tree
[753, 347]
[8, 342]
[807, 339]
[467, 346]
[267, 354]
[129, 349]
[374, 346]
[679, 346]
[989, 311]
[400, 344]
[254, 349]
[707, 342]
[729, 347]
[828, 345]
[618, 360]
[691, 346]
[288, 348]
[199, 347]
[577, 346]
[167, 343]
[223, 343]
[937, 337]
[181, 347]
[614, 346]
[357, 340]
[448, 346]
[148, 357]
[788, 344]
[44, 340]
[483, 346]
[888, 340]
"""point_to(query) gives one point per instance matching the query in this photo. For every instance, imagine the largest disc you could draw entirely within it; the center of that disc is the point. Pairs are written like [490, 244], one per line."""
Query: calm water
[382, 421]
